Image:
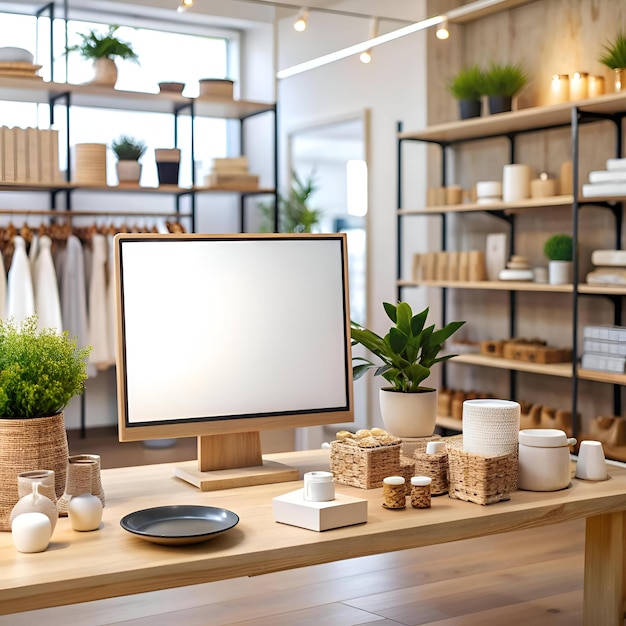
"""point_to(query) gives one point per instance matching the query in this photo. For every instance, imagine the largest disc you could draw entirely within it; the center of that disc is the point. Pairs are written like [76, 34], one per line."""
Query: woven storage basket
[479, 479]
[435, 466]
[407, 468]
[27, 445]
[363, 467]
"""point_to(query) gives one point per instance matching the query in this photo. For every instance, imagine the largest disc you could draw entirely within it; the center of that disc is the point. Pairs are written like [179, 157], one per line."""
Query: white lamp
[301, 23]
[442, 31]
[366, 55]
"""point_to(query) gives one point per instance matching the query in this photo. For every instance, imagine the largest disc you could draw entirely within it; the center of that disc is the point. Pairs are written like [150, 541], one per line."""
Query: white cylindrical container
[31, 532]
[591, 464]
[490, 427]
[515, 182]
[544, 461]
[85, 512]
[319, 486]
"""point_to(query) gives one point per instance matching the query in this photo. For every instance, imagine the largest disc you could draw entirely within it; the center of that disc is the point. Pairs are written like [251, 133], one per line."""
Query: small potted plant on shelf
[467, 86]
[128, 152]
[558, 250]
[501, 83]
[40, 372]
[407, 352]
[103, 49]
[614, 57]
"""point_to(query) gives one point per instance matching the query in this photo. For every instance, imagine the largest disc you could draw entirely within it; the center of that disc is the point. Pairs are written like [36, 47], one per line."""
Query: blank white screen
[238, 327]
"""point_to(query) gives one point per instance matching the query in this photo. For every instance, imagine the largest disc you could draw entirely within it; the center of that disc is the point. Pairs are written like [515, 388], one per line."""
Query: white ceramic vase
[559, 272]
[31, 532]
[85, 512]
[409, 415]
[35, 502]
[104, 72]
[128, 171]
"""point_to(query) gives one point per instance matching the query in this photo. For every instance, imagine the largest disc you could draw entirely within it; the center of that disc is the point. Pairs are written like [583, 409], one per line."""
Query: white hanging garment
[46, 288]
[20, 297]
[33, 251]
[3, 289]
[74, 294]
[98, 328]
[111, 305]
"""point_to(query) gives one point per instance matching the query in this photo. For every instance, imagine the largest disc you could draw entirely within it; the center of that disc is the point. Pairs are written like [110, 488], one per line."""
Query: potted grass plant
[467, 86]
[614, 57]
[103, 50]
[40, 372]
[559, 252]
[501, 83]
[128, 151]
[406, 354]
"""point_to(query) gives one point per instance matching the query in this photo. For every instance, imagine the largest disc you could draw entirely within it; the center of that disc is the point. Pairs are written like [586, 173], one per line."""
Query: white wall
[393, 87]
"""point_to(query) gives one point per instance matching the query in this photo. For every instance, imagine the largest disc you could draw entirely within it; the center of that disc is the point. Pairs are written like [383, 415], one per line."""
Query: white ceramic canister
[544, 459]
[31, 532]
[319, 487]
[85, 512]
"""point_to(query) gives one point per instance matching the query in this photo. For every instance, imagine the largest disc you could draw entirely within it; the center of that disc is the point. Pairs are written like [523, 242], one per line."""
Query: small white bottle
[85, 512]
[31, 532]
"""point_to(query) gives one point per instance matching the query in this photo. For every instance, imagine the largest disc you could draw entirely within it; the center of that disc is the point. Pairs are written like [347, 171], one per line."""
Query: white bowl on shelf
[10, 54]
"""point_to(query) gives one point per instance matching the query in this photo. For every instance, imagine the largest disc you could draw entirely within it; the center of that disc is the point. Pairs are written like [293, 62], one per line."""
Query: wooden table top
[79, 567]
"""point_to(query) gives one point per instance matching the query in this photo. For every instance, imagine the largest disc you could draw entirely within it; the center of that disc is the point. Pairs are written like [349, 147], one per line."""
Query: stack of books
[29, 155]
[231, 173]
[604, 349]
[608, 182]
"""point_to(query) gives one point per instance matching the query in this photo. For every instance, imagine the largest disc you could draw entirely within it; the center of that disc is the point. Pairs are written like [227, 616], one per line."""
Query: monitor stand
[233, 460]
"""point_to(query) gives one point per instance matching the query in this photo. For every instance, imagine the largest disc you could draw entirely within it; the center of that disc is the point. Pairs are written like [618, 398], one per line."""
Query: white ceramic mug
[591, 464]
[319, 486]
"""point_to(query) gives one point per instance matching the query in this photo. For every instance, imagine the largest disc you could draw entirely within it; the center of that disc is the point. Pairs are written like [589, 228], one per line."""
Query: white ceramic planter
[559, 272]
[409, 414]
[105, 72]
[128, 171]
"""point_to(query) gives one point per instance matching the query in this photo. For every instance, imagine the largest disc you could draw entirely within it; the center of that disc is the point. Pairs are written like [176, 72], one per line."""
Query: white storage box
[604, 363]
[605, 333]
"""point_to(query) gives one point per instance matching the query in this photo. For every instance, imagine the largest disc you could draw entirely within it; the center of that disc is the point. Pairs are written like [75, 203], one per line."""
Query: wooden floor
[532, 578]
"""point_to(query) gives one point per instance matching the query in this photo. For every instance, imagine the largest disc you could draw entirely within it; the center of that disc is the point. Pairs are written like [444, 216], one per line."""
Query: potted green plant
[128, 151]
[40, 372]
[467, 86]
[501, 83]
[559, 250]
[614, 57]
[103, 49]
[295, 214]
[406, 354]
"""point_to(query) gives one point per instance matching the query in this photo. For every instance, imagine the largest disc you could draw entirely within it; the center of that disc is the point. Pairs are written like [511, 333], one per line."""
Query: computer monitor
[222, 336]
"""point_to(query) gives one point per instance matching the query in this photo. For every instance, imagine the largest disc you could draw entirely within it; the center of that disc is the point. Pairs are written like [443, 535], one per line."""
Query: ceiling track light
[184, 5]
[443, 31]
[366, 55]
[301, 23]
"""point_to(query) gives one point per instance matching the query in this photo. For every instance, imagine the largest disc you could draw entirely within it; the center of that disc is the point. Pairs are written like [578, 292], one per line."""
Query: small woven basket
[435, 466]
[479, 479]
[363, 467]
[29, 444]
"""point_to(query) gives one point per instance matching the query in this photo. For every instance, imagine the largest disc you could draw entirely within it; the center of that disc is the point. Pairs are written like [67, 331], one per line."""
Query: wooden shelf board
[619, 290]
[602, 377]
[500, 285]
[599, 199]
[530, 203]
[532, 118]
[98, 96]
[8, 186]
[562, 370]
[257, 190]
[129, 188]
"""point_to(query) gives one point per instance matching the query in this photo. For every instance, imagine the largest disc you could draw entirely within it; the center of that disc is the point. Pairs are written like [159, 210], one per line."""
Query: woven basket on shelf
[480, 479]
[29, 444]
[363, 467]
[435, 466]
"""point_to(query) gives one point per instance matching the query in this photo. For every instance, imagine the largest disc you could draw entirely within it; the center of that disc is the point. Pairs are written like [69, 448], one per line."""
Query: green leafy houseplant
[614, 52]
[40, 371]
[558, 248]
[128, 149]
[407, 351]
[467, 84]
[504, 80]
[94, 45]
[294, 213]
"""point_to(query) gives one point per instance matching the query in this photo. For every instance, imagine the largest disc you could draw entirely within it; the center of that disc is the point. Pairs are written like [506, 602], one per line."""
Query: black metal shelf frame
[578, 117]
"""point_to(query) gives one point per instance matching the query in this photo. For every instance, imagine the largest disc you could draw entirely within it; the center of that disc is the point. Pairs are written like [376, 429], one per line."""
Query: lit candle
[578, 86]
[596, 86]
[559, 90]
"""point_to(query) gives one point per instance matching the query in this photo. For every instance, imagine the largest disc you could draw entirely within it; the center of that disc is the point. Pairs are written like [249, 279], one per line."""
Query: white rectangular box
[291, 508]
[605, 333]
[615, 348]
[604, 363]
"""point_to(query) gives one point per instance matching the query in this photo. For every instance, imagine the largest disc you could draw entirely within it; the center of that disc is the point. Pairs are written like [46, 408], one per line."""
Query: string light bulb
[301, 23]
[184, 5]
[366, 55]
[442, 31]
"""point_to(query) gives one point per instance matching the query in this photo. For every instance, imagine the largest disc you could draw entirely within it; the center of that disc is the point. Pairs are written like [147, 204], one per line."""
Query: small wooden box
[364, 468]
[492, 348]
[536, 353]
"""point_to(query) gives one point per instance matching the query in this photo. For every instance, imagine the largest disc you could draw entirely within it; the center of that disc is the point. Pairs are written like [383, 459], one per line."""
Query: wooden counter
[78, 567]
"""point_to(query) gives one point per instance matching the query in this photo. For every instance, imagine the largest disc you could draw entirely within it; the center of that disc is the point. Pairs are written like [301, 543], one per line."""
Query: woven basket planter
[29, 444]
[363, 467]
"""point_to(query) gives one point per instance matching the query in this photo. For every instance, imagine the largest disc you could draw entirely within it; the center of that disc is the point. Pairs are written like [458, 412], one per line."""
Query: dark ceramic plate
[179, 524]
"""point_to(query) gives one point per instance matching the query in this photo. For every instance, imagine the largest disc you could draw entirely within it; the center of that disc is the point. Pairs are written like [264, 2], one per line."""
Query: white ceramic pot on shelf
[560, 272]
[128, 171]
[409, 414]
